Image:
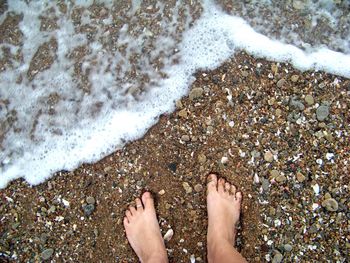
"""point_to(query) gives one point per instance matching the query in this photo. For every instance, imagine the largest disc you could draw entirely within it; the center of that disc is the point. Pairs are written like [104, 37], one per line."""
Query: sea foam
[85, 127]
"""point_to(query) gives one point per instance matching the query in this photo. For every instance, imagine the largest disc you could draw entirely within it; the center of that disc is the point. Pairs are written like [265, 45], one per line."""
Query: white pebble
[316, 188]
[224, 160]
[315, 206]
[65, 202]
[329, 156]
[168, 235]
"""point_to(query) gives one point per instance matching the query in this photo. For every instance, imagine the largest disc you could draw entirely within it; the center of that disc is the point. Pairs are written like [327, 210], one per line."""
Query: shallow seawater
[78, 81]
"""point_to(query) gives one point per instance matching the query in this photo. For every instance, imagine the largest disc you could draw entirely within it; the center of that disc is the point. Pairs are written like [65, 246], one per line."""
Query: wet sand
[251, 122]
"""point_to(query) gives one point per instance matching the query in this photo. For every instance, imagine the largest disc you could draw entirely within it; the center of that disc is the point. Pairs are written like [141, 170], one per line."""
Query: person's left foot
[143, 232]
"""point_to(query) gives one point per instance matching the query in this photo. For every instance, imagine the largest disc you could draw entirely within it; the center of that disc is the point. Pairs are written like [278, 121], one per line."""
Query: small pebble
[278, 112]
[202, 158]
[300, 177]
[196, 93]
[280, 83]
[322, 112]
[274, 173]
[187, 187]
[330, 204]
[281, 178]
[183, 113]
[277, 258]
[88, 209]
[294, 78]
[161, 192]
[168, 235]
[198, 188]
[288, 247]
[47, 253]
[185, 138]
[309, 100]
[224, 160]
[265, 184]
[90, 200]
[268, 156]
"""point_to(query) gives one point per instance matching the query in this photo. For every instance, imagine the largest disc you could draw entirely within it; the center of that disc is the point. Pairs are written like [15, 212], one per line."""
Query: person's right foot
[223, 204]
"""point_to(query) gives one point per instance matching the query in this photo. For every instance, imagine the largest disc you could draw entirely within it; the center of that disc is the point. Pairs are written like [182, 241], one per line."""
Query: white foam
[90, 126]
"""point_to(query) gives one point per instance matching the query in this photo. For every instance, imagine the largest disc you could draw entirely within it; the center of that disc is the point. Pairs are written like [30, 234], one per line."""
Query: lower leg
[223, 214]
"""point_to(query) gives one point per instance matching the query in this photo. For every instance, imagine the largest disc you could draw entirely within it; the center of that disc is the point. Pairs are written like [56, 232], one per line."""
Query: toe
[239, 196]
[233, 190]
[227, 187]
[147, 200]
[139, 206]
[132, 210]
[128, 215]
[212, 182]
[221, 185]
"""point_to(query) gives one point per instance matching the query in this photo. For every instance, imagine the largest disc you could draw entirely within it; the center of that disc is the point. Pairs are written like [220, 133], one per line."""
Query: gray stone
[297, 104]
[288, 247]
[185, 138]
[90, 200]
[47, 253]
[196, 93]
[330, 204]
[280, 83]
[43, 238]
[322, 112]
[265, 184]
[88, 209]
[277, 258]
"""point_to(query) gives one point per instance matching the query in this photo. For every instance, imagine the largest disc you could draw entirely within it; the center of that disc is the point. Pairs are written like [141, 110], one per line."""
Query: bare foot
[223, 204]
[143, 232]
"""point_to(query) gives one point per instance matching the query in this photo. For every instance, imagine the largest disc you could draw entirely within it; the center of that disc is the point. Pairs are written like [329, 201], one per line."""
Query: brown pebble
[281, 178]
[202, 158]
[268, 156]
[187, 187]
[183, 113]
[294, 78]
[198, 188]
[300, 177]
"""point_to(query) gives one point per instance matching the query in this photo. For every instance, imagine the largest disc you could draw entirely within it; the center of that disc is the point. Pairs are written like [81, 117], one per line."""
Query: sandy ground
[251, 122]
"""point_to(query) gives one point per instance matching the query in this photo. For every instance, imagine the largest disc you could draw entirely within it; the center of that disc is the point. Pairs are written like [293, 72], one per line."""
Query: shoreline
[263, 134]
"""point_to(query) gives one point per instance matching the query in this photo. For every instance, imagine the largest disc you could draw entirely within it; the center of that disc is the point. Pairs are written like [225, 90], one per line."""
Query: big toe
[147, 200]
[212, 183]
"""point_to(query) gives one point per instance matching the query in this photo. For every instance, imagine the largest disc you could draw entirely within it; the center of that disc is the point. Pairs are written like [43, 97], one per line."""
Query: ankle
[215, 238]
[216, 247]
[156, 258]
